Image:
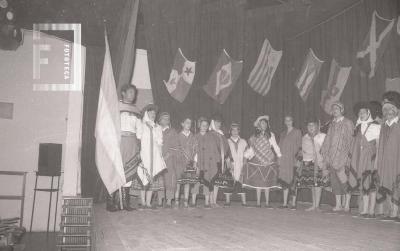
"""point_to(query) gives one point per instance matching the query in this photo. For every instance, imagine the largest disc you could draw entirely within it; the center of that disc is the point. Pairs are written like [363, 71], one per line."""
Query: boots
[110, 203]
[126, 199]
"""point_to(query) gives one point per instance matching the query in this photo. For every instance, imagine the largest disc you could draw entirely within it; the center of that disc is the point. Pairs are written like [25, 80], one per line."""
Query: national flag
[141, 79]
[398, 25]
[181, 77]
[261, 76]
[308, 74]
[393, 84]
[223, 78]
[338, 77]
[374, 44]
[107, 131]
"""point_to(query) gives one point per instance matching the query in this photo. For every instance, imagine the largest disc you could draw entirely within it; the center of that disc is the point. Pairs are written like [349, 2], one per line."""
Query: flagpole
[120, 198]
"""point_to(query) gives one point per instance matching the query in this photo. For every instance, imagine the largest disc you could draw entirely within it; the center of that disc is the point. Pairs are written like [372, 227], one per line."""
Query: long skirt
[157, 183]
[307, 175]
[188, 176]
[260, 176]
[130, 157]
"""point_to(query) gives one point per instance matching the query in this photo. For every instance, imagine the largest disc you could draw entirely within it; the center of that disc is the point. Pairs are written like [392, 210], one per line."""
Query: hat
[257, 122]
[234, 125]
[361, 105]
[375, 109]
[391, 97]
[150, 107]
[339, 104]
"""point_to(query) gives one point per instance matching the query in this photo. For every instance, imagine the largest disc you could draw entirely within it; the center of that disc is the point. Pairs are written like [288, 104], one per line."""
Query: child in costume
[237, 147]
[336, 153]
[186, 162]
[261, 171]
[207, 159]
[150, 172]
[290, 144]
[388, 161]
[313, 173]
[170, 144]
[366, 138]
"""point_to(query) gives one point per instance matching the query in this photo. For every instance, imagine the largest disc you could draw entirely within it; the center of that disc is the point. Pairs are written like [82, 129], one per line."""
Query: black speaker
[50, 156]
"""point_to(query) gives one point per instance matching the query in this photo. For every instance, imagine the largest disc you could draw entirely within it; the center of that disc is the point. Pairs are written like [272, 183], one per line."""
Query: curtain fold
[122, 43]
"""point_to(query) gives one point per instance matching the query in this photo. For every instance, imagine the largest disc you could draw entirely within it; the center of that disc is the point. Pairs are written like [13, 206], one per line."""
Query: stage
[240, 228]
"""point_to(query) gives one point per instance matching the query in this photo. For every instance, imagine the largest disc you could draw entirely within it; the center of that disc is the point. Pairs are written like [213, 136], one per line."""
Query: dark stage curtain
[203, 29]
[341, 38]
[90, 181]
[122, 43]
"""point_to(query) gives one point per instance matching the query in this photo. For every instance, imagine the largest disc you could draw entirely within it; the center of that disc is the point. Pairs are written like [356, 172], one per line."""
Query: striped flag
[223, 78]
[374, 44]
[141, 79]
[398, 25]
[261, 76]
[393, 84]
[338, 77]
[308, 75]
[181, 77]
[107, 131]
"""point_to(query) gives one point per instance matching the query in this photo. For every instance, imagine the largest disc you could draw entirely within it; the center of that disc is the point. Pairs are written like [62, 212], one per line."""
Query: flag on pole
[398, 25]
[393, 84]
[308, 75]
[374, 44]
[261, 76]
[181, 77]
[223, 78]
[338, 77]
[107, 131]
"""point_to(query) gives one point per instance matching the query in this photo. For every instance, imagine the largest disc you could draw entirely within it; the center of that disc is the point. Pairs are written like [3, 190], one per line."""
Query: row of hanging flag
[228, 70]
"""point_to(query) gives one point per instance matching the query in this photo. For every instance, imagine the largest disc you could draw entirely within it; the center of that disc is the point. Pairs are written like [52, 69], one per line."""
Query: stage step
[76, 224]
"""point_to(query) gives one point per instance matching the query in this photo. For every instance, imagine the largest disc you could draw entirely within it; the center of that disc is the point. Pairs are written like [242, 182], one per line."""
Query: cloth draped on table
[261, 171]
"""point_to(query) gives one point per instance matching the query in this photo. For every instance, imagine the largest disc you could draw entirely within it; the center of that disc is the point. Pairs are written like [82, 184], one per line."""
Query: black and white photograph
[196, 125]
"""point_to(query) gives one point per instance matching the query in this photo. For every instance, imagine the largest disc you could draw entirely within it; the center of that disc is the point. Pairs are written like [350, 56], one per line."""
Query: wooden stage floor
[239, 228]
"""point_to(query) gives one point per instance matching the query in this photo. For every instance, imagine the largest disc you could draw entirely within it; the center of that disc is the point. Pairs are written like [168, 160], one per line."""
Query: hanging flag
[393, 84]
[107, 131]
[374, 44]
[141, 79]
[398, 25]
[338, 77]
[261, 76]
[308, 75]
[181, 77]
[223, 78]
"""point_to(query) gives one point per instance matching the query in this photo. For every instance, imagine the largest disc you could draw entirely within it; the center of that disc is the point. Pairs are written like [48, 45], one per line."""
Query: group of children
[349, 159]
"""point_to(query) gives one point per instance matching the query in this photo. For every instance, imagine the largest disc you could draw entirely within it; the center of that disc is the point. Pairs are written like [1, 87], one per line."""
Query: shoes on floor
[388, 218]
[267, 206]
[283, 207]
